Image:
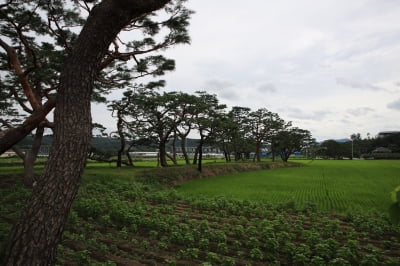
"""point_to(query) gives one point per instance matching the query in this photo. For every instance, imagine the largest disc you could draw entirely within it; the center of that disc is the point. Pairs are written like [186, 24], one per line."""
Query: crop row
[162, 228]
[122, 222]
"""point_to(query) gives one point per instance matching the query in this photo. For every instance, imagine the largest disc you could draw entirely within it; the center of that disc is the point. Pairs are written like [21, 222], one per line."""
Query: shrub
[396, 195]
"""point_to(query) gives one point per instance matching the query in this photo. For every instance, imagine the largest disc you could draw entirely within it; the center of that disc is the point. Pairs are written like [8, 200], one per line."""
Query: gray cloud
[318, 115]
[394, 105]
[266, 87]
[218, 84]
[228, 94]
[359, 111]
[358, 85]
[397, 83]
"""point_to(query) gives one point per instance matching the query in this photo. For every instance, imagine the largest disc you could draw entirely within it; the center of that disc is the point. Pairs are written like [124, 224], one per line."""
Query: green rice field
[334, 186]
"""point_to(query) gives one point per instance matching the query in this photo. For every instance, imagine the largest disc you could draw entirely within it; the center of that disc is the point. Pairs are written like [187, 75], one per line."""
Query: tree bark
[128, 155]
[196, 155]
[162, 150]
[174, 150]
[184, 152]
[34, 239]
[30, 157]
[200, 162]
[122, 140]
[258, 151]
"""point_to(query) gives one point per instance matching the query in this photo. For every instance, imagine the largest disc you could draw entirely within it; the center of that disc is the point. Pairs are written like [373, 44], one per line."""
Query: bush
[396, 195]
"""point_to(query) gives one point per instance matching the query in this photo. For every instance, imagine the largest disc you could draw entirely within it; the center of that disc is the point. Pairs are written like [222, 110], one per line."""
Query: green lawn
[335, 186]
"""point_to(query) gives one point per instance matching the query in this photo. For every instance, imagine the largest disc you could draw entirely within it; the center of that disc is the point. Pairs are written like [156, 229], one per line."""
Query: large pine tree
[33, 240]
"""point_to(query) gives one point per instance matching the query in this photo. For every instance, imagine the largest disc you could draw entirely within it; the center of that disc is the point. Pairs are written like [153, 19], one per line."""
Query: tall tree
[240, 133]
[206, 121]
[158, 114]
[262, 127]
[187, 107]
[34, 239]
[31, 66]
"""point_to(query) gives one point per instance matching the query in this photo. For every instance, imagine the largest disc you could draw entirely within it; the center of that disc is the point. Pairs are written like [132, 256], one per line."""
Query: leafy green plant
[222, 247]
[204, 244]
[256, 254]
[213, 258]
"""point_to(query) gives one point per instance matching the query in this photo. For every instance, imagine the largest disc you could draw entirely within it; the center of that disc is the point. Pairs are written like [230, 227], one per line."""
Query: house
[383, 134]
[382, 150]
[9, 153]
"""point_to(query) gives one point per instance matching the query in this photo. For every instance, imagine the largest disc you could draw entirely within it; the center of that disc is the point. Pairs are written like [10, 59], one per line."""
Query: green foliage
[395, 195]
[117, 218]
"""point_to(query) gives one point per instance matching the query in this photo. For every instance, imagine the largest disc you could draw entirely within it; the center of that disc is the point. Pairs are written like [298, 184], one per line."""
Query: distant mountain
[337, 140]
[342, 140]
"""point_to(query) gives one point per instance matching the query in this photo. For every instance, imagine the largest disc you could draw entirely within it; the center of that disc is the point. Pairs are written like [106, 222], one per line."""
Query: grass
[117, 220]
[335, 186]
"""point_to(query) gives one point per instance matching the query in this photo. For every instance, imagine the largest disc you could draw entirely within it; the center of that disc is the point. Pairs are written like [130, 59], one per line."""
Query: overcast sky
[332, 67]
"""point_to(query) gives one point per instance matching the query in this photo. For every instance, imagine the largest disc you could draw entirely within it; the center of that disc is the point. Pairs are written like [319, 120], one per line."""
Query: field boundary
[175, 175]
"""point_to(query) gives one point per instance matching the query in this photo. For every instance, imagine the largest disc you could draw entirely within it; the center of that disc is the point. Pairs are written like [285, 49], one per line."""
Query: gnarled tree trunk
[34, 239]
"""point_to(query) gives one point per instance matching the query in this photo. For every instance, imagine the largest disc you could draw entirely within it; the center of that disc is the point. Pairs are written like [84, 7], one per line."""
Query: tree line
[358, 147]
[147, 115]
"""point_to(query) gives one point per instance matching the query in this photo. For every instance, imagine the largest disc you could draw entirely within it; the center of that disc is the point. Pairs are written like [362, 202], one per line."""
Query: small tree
[292, 140]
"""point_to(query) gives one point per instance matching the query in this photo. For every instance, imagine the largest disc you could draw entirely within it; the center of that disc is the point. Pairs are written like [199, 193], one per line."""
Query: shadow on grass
[394, 213]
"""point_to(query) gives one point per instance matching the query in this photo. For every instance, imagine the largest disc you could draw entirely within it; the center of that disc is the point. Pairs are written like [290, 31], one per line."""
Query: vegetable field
[117, 220]
[334, 186]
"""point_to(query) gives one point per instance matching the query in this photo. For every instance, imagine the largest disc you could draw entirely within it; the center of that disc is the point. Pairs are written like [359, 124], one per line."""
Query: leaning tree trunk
[13, 135]
[34, 239]
[184, 152]
[30, 157]
[122, 140]
[128, 154]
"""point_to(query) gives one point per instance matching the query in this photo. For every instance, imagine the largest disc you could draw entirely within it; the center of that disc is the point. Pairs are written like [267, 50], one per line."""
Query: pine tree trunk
[13, 135]
[196, 155]
[30, 158]
[163, 156]
[122, 140]
[258, 151]
[184, 152]
[200, 163]
[128, 155]
[34, 239]
[174, 150]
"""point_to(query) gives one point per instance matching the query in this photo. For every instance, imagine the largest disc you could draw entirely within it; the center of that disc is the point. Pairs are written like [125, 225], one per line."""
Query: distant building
[382, 150]
[387, 133]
